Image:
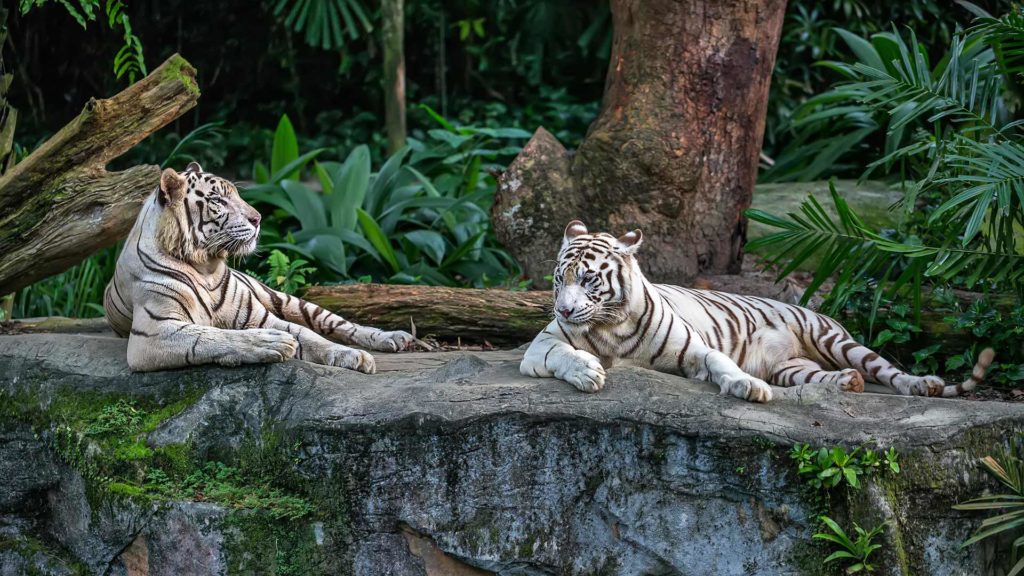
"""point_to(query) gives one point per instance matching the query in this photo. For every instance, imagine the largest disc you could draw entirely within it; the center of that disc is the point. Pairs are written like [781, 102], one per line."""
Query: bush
[421, 218]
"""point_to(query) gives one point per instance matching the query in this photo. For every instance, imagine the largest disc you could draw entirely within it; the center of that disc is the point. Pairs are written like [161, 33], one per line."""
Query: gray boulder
[447, 463]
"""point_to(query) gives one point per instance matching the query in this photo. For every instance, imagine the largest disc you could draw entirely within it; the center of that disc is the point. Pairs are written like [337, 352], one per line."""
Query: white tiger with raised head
[175, 298]
[607, 312]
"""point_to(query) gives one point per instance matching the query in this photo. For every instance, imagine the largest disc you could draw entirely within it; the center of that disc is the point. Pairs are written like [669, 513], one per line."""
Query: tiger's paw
[930, 386]
[586, 372]
[273, 345]
[395, 341]
[749, 388]
[350, 358]
[851, 381]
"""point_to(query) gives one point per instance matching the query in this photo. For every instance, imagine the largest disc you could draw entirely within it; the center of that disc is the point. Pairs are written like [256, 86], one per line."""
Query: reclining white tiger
[607, 312]
[175, 298]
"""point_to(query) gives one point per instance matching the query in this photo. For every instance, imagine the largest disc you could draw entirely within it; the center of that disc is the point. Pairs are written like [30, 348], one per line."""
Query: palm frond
[851, 250]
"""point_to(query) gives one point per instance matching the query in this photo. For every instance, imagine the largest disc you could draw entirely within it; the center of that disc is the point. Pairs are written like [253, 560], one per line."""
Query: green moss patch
[40, 557]
[103, 437]
[177, 68]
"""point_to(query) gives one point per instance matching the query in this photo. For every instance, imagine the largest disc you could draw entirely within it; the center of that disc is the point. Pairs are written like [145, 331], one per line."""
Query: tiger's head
[202, 217]
[594, 275]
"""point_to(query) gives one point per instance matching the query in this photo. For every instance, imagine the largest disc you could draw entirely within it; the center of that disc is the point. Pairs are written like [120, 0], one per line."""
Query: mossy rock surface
[450, 463]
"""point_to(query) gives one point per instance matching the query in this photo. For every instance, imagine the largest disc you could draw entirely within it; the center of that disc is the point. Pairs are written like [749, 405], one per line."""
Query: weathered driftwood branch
[60, 204]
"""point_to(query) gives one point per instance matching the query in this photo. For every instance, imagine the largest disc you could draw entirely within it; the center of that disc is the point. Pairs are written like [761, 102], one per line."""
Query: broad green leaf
[863, 49]
[462, 251]
[378, 239]
[309, 208]
[353, 180]
[430, 242]
[294, 167]
[437, 117]
[268, 194]
[285, 148]
[851, 477]
[383, 181]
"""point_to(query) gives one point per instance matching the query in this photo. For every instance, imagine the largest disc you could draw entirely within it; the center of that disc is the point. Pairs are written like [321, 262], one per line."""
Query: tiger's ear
[172, 187]
[193, 167]
[572, 230]
[629, 242]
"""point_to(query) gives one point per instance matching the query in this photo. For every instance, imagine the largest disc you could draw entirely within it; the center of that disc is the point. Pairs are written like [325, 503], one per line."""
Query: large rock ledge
[454, 464]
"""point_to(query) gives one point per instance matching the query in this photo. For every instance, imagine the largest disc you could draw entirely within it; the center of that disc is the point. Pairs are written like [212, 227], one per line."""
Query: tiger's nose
[565, 312]
[254, 219]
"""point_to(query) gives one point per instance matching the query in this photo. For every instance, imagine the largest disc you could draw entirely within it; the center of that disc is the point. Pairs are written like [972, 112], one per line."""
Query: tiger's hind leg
[798, 371]
[835, 347]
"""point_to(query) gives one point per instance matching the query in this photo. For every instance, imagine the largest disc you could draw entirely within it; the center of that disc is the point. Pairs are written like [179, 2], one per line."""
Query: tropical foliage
[1007, 466]
[854, 554]
[74, 293]
[422, 217]
[816, 41]
[947, 127]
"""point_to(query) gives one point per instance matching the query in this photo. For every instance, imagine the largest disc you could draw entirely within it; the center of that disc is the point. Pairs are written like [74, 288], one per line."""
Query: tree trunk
[60, 204]
[393, 32]
[674, 150]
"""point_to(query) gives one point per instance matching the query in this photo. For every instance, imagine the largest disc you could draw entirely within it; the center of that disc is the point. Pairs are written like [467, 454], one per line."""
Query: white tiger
[175, 298]
[607, 312]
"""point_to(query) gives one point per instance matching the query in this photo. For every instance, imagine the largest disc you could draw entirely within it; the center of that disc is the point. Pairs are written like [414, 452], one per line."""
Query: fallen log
[60, 204]
[501, 317]
[508, 318]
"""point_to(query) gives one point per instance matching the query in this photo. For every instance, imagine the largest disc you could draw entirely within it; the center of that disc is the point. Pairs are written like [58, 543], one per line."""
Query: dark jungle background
[302, 79]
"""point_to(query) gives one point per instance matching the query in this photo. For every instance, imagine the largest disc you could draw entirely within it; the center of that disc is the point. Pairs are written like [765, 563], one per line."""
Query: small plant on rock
[826, 468]
[854, 554]
[286, 274]
[892, 460]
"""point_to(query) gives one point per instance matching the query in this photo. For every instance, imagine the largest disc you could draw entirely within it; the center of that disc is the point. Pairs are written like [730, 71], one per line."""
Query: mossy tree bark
[60, 204]
[674, 150]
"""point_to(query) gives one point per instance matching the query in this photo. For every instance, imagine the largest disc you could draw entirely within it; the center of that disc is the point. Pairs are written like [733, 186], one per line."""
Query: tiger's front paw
[585, 372]
[345, 357]
[273, 345]
[395, 341]
[851, 381]
[749, 388]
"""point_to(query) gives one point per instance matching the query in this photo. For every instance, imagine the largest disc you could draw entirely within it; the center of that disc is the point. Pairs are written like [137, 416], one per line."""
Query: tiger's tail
[980, 368]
